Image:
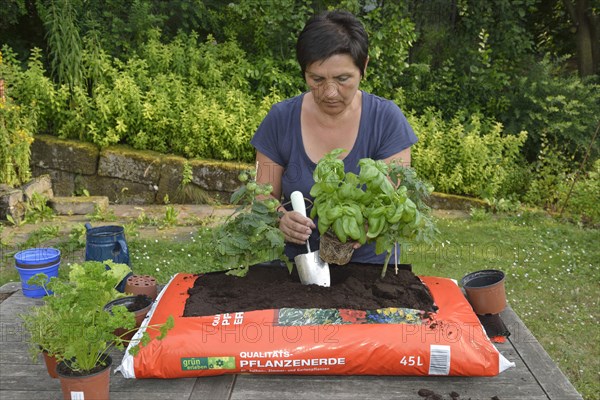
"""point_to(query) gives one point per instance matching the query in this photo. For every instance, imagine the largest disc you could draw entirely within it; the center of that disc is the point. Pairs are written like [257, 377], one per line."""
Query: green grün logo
[200, 363]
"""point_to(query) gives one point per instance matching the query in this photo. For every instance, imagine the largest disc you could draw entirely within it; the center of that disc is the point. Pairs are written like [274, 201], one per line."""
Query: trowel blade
[312, 270]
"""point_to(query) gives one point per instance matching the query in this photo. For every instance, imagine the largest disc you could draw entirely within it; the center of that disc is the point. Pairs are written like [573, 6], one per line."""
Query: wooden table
[535, 376]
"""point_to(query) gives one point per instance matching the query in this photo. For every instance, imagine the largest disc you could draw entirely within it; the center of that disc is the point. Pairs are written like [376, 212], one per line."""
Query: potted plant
[251, 234]
[40, 322]
[139, 305]
[339, 203]
[383, 204]
[43, 322]
[82, 332]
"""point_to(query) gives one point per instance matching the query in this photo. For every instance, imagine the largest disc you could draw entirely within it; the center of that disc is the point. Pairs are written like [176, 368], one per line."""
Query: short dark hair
[331, 33]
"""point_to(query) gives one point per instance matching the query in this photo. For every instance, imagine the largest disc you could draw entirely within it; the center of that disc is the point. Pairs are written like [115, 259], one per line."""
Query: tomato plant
[251, 234]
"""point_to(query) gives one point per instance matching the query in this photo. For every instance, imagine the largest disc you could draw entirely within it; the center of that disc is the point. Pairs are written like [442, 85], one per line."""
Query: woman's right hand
[295, 227]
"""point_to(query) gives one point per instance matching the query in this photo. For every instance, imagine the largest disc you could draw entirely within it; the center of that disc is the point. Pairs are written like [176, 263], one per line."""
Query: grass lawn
[552, 281]
[552, 276]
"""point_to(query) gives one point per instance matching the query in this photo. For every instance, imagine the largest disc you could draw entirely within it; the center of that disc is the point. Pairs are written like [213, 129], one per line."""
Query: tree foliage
[196, 77]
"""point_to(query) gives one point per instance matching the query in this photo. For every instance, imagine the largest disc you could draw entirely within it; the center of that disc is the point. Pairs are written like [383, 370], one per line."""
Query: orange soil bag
[289, 341]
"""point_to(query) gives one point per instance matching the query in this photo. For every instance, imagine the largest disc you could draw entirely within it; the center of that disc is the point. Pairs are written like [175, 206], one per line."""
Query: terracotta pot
[142, 284]
[88, 387]
[485, 291]
[139, 305]
[50, 364]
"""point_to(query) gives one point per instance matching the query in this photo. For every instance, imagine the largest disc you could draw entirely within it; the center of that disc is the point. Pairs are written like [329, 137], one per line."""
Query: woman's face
[333, 83]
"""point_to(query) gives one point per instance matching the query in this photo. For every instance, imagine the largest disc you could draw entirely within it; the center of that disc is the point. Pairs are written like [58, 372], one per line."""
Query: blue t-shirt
[383, 131]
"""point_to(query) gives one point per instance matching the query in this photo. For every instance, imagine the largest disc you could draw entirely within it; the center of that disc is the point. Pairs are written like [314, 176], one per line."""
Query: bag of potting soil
[388, 341]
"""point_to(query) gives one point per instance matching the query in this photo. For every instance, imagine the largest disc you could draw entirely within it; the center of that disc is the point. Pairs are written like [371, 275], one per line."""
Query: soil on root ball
[353, 286]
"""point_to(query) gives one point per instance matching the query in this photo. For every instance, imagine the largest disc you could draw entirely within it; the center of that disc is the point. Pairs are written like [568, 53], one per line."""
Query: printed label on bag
[439, 360]
[200, 363]
[77, 396]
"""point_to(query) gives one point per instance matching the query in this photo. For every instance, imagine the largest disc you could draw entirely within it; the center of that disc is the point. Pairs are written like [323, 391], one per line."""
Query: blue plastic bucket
[35, 261]
[106, 243]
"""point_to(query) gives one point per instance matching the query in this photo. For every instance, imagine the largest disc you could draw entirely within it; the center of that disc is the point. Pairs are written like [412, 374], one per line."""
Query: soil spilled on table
[431, 395]
[353, 286]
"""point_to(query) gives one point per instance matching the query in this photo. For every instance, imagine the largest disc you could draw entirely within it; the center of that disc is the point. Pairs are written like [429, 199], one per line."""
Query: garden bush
[561, 186]
[184, 97]
[17, 127]
[495, 58]
[560, 108]
[468, 155]
[548, 173]
[582, 194]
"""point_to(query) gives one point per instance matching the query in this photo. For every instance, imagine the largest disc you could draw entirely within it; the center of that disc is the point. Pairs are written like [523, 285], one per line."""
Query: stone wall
[129, 176]
[13, 200]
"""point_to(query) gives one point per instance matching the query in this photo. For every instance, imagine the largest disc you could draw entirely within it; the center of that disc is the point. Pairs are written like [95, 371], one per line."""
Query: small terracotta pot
[94, 386]
[142, 284]
[485, 291]
[50, 362]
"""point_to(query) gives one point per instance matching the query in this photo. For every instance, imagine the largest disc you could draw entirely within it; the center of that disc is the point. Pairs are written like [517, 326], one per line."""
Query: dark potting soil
[140, 302]
[353, 286]
[64, 370]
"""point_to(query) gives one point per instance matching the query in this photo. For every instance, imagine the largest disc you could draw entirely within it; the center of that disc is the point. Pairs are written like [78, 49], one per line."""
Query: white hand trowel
[311, 269]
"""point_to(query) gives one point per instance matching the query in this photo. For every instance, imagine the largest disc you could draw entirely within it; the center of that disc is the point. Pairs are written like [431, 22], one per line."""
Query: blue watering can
[107, 243]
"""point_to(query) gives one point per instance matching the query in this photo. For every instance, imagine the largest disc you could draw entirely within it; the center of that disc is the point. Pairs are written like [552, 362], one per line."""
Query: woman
[332, 51]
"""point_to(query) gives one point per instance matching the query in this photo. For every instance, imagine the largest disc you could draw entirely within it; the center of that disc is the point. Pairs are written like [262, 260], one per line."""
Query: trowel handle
[298, 202]
[298, 205]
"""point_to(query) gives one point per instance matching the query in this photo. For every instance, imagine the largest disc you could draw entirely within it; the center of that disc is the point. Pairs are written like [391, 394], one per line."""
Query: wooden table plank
[550, 378]
[30, 378]
[17, 356]
[161, 388]
[214, 387]
[535, 376]
[359, 387]
[57, 395]
[29, 395]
